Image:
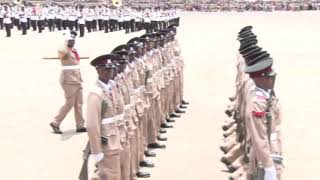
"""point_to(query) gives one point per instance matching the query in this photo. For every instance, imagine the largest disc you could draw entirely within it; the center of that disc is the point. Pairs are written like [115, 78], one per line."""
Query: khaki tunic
[256, 124]
[109, 167]
[70, 80]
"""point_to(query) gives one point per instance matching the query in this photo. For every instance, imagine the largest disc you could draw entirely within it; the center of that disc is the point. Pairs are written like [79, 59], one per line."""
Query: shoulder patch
[258, 114]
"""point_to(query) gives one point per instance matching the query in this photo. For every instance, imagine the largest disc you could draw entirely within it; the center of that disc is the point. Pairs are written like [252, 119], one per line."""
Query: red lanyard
[74, 51]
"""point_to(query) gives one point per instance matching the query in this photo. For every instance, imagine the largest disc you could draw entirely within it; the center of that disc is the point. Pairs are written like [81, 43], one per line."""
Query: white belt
[71, 67]
[127, 107]
[136, 91]
[273, 136]
[108, 120]
[119, 117]
[150, 80]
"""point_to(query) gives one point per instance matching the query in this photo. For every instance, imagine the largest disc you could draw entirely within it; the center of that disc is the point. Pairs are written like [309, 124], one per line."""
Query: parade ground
[31, 96]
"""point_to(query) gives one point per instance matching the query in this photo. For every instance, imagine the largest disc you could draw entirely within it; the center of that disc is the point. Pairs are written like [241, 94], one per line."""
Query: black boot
[166, 125]
[146, 164]
[142, 174]
[157, 145]
[149, 153]
[56, 129]
[183, 102]
[83, 129]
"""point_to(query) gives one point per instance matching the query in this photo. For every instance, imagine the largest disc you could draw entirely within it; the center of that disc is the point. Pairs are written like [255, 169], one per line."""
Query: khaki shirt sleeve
[257, 128]
[94, 122]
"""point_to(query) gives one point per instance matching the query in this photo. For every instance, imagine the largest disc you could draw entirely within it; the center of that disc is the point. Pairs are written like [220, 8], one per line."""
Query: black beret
[104, 61]
[123, 47]
[248, 38]
[252, 59]
[248, 44]
[134, 40]
[246, 28]
[250, 51]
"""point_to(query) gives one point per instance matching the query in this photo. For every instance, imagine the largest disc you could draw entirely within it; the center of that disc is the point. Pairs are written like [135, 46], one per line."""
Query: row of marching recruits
[252, 137]
[138, 93]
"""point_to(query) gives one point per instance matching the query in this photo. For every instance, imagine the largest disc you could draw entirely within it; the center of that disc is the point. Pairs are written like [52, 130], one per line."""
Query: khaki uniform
[142, 105]
[70, 81]
[132, 78]
[180, 63]
[256, 123]
[97, 126]
[168, 78]
[123, 98]
[153, 96]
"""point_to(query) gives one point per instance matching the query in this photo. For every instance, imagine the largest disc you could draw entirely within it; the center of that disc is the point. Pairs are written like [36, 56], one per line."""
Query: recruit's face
[149, 45]
[265, 82]
[71, 43]
[140, 51]
[105, 74]
[122, 67]
[131, 57]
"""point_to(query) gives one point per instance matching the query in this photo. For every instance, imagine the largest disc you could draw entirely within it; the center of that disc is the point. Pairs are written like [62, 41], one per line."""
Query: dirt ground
[31, 96]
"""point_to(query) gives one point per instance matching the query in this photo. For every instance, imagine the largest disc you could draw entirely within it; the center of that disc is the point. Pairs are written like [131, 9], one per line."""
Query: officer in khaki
[102, 124]
[236, 157]
[152, 92]
[124, 114]
[264, 119]
[71, 84]
[137, 71]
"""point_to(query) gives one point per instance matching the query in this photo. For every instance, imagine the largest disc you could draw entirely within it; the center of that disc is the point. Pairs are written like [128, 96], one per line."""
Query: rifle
[269, 115]
[84, 170]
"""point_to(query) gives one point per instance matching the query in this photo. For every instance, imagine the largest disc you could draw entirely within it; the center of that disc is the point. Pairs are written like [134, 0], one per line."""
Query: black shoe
[157, 145]
[56, 129]
[182, 107]
[166, 125]
[228, 113]
[162, 138]
[225, 128]
[174, 115]
[225, 161]
[231, 169]
[184, 102]
[180, 111]
[141, 174]
[225, 151]
[162, 131]
[146, 164]
[150, 153]
[83, 129]
[170, 120]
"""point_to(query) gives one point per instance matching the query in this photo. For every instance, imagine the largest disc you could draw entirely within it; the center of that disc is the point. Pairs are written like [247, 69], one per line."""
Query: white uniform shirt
[7, 18]
[23, 18]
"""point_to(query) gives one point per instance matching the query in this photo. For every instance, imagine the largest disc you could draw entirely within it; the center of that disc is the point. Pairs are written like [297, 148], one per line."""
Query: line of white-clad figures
[99, 18]
[252, 136]
[138, 92]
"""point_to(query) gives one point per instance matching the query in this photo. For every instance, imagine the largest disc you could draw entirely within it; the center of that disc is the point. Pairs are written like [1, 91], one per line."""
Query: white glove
[270, 173]
[98, 157]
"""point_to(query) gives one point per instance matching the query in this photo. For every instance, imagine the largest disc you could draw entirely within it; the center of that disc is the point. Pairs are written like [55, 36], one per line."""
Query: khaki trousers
[73, 99]
[109, 168]
[152, 123]
[125, 160]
